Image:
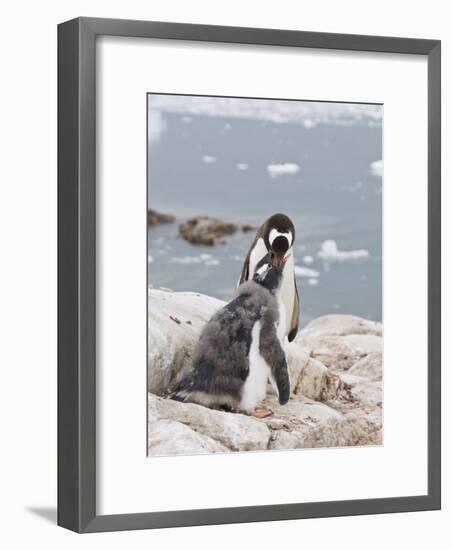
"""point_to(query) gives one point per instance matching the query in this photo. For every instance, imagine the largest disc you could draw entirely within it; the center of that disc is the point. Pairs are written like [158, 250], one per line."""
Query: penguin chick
[239, 349]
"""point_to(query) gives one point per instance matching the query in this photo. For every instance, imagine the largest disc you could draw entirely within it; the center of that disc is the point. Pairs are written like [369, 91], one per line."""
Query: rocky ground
[335, 366]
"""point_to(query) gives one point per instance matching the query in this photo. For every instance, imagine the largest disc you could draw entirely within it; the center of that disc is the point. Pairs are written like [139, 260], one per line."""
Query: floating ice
[208, 159]
[309, 123]
[308, 260]
[187, 119]
[206, 259]
[307, 113]
[242, 166]
[306, 272]
[355, 187]
[150, 259]
[313, 282]
[212, 262]
[330, 252]
[156, 125]
[186, 260]
[376, 168]
[276, 170]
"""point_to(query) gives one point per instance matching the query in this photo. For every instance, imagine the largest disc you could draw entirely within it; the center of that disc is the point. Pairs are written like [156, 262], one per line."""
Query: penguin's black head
[279, 236]
[267, 274]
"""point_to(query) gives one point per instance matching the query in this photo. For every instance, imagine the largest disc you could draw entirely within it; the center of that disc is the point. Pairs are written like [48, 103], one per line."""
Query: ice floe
[308, 260]
[288, 168]
[206, 259]
[330, 252]
[309, 113]
[376, 168]
[306, 272]
[156, 125]
[242, 166]
[209, 159]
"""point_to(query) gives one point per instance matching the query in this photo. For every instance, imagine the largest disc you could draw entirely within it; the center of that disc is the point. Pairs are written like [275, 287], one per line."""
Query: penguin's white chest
[255, 386]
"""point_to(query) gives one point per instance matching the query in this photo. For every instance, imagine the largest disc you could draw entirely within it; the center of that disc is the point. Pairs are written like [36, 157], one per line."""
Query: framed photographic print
[249, 275]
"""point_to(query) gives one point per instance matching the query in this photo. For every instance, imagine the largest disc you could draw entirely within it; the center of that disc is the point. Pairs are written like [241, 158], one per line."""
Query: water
[193, 170]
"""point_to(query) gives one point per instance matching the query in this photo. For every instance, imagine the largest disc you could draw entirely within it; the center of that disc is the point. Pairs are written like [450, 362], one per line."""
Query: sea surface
[325, 173]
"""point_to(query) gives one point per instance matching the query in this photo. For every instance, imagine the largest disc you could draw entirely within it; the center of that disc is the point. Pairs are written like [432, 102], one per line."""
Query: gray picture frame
[77, 273]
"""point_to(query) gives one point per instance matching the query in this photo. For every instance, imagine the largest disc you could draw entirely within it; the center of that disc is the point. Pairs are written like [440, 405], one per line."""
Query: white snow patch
[306, 272]
[212, 262]
[329, 251]
[242, 166]
[288, 168]
[308, 260]
[376, 168]
[313, 282]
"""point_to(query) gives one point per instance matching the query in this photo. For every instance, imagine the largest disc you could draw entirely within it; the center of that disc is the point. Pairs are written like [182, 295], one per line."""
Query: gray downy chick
[239, 349]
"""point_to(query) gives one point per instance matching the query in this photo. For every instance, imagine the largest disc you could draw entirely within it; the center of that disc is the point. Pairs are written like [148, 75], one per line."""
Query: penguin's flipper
[272, 351]
[245, 274]
[245, 271]
[281, 374]
[293, 329]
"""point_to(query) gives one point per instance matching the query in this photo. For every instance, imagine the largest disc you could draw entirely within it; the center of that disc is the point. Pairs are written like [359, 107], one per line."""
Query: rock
[175, 320]
[297, 358]
[333, 351]
[168, 437]
[155, 217]
[340, 325]
[247, 227]
[364, 343]
[236, 432]
[335, 368]
[205, 230]
[312, 380]
[368, 367]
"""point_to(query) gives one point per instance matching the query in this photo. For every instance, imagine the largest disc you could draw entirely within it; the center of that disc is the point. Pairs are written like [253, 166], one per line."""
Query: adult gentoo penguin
[276, 237]
[239, 349]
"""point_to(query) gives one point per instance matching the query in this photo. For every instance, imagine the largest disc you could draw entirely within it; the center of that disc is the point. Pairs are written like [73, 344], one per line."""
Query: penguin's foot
[261, 413]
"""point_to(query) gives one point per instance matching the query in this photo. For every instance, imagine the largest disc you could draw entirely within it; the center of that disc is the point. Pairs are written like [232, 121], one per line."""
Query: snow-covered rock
[335, 368]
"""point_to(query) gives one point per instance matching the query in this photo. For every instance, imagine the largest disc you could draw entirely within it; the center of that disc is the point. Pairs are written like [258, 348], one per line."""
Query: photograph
[264, 251]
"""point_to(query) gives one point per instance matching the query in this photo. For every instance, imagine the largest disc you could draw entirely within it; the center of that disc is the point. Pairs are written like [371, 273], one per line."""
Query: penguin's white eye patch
[275, 233]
